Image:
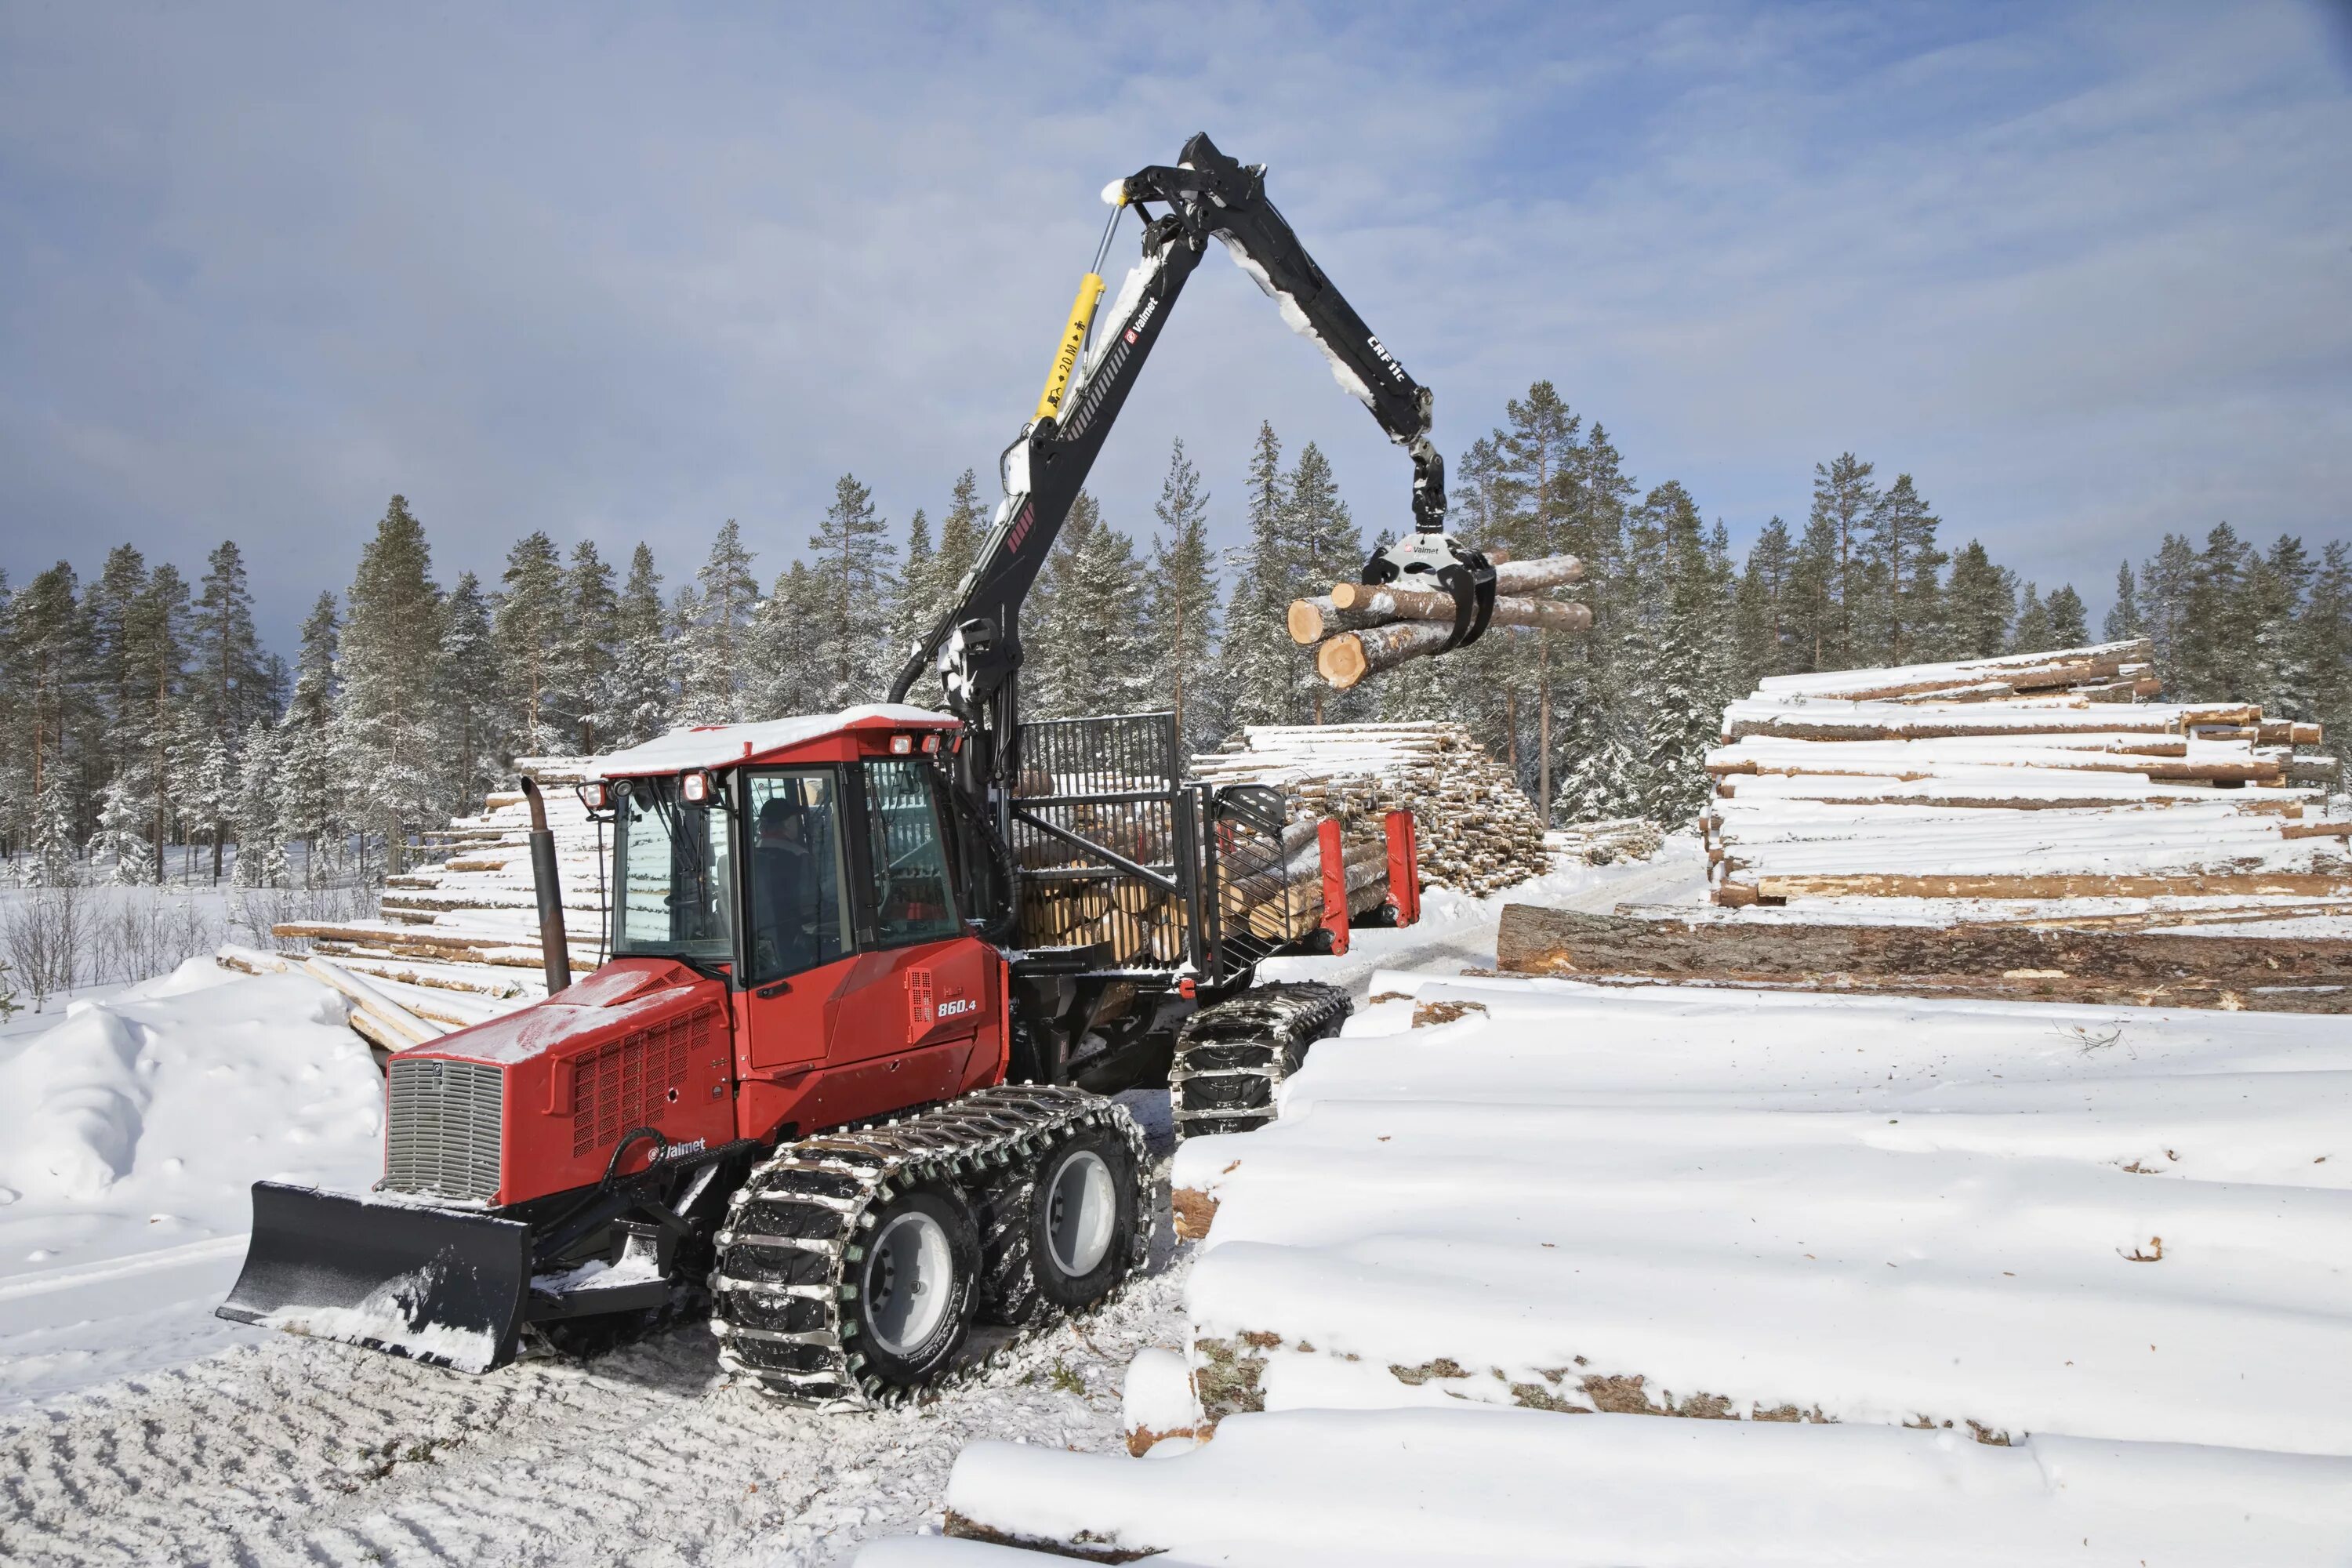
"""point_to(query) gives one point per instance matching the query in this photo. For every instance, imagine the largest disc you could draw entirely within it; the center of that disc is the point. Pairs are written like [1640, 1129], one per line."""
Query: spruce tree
[1764, 632]
[120, 842]
[637, 699]
[529, 625]
[1981, 602]
[471, 740]
[389, 672]
[912, 610]
[714, 618]
[1814, 613]
[2034, 631]
[2217, 631]
[584, 656]
[961, 533]
[1182, 614]
[2070, 624]
[1324, 547]
[2273, 673]
[2324, 634]
[1256, 656]
[2124, 620]
[1101, 664]
[1052, 649]
[851, 555]
[260, 850]
[310, 793]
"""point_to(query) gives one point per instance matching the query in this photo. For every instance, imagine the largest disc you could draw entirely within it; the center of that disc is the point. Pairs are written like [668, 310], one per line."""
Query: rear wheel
[1085, 1213]
[915, 1283]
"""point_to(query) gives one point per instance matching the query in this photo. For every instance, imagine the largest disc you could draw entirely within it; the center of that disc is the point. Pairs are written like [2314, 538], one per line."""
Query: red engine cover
[643, 1042]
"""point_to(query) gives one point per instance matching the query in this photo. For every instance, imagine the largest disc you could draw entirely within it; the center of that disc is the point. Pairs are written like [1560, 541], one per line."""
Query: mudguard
[448, 1287]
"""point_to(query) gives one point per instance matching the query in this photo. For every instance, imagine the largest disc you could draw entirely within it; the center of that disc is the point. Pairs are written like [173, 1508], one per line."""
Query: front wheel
[1085, 1216]
[916, 1284]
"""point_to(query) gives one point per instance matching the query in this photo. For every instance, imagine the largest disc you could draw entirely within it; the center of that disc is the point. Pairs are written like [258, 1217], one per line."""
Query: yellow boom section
[1074, 338]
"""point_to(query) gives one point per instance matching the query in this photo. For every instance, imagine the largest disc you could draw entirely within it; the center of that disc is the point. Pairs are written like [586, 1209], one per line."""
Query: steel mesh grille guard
[443, 1128]
[1112, 781]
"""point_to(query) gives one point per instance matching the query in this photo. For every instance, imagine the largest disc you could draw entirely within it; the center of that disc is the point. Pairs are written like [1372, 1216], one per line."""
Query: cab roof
[724, 745]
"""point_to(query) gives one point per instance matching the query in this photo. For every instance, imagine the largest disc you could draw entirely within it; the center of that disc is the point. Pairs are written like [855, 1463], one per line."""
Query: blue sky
[622, 272]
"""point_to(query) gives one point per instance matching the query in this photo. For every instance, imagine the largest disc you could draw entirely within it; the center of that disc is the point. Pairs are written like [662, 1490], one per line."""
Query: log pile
[2262, 974]
[467, 927]
[1606, 842]
[1478, 833]
[1360, 629]
[2036, 777]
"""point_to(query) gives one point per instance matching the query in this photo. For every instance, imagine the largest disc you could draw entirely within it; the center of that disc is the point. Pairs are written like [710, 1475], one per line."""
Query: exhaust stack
[555, 950]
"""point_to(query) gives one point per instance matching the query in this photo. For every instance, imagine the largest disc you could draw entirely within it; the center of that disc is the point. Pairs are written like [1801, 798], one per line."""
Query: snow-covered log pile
[2038, 776]
[468, 926]
[1947, 1282]
[1477, 831]
[1606, 842]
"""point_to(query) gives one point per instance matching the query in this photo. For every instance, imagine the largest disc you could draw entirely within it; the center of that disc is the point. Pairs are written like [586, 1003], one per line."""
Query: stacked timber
[1608, 841]
[2037, 777]
[1478, 833]
[1361, 628]
[468, 926]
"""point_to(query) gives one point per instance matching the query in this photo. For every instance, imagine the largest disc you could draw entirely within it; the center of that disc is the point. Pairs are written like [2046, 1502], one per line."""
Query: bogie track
[1232, 1056]
[793, 1293]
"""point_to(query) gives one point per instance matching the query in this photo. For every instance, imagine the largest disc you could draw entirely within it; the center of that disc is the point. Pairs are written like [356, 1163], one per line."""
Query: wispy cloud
[623, 273]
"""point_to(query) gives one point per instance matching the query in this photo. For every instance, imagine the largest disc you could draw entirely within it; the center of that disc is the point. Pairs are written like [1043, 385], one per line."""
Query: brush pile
[1477, 831]
[2038, 776]
[1361, 628]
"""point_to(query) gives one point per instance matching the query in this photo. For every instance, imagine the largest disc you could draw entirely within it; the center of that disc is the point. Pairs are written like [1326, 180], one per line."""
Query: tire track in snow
[290, 1451]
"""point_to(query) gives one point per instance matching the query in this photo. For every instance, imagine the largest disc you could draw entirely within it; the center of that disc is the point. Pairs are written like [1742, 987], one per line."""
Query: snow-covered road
[285, 1451]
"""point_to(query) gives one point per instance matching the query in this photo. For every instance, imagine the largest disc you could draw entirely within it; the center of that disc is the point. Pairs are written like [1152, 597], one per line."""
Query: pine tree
[1845, 501]
[1904, 561]
[2124, 620]
[155, 641]
[1762, 626]
[851, 554]
[1537, 456]
[226, 649]
[107, 609]
[714, 617]
[2217, 629]
[48, 661]
[1256, 656]
[1182, 614]
[389, 672]
[2069, 621]
[637, 699]
[585, 652]
[1981, 601]
[1814, 614]
[2034, 632]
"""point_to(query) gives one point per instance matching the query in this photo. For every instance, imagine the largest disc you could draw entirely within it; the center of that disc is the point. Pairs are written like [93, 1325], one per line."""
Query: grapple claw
[1427, 558]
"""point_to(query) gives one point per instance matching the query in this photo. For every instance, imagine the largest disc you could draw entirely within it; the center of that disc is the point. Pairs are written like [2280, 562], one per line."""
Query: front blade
[443, 1286]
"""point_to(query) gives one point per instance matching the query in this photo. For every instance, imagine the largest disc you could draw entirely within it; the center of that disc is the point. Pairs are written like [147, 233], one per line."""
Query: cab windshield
[671, 872]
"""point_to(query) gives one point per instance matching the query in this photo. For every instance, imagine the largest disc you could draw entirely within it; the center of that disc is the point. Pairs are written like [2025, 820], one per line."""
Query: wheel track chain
[1232, 1056]
[794, 1231]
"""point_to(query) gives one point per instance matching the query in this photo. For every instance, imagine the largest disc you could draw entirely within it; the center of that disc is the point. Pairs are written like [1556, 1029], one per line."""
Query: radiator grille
[630, 1082]
[443, 1135]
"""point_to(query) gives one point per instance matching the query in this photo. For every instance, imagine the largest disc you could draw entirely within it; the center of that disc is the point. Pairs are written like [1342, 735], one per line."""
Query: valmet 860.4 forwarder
[831, 1087]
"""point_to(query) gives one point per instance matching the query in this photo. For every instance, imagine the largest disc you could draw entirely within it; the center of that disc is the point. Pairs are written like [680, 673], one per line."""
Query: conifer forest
[146, 730]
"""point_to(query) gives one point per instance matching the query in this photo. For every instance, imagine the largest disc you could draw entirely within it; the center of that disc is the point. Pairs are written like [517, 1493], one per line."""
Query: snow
[131, 1133]
[1511, 1486]
[1838, 683]
[723, 745]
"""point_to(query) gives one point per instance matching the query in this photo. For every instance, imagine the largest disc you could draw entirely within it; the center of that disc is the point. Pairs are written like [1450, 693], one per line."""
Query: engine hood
[625, 996]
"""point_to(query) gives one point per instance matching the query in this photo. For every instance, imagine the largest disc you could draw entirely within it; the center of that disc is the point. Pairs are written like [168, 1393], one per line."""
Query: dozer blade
[441, 1286]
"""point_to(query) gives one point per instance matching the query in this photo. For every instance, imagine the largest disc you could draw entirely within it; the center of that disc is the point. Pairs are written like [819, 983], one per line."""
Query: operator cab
[807, 863]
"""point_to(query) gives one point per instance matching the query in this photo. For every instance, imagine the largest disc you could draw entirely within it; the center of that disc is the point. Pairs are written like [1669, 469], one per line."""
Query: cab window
[670, 875]
[911, 901]
[796, 895]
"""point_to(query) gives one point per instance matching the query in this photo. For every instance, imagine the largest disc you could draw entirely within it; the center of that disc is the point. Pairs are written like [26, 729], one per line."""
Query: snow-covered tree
[1181, 617]
[120, 842]
[1258, 659]
[260, 849]
[471, 736]
[529, 624]
[390, 671]
[585, 651]
[851, 555]
[2124, 619]
[1904, 574]
[637, 697]
[1979, 602]
[2069, 621]
[714, 618]
[2031, 633]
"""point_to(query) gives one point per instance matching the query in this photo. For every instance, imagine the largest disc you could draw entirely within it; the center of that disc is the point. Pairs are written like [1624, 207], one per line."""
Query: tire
[1084, 1218]
[917, 1277]
[1008, 1293]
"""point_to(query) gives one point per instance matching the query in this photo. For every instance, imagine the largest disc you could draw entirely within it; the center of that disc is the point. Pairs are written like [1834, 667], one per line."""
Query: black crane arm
[975, 649]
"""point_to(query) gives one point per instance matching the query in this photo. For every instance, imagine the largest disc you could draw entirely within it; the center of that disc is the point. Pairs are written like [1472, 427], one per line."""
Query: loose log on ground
[1976, 959]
